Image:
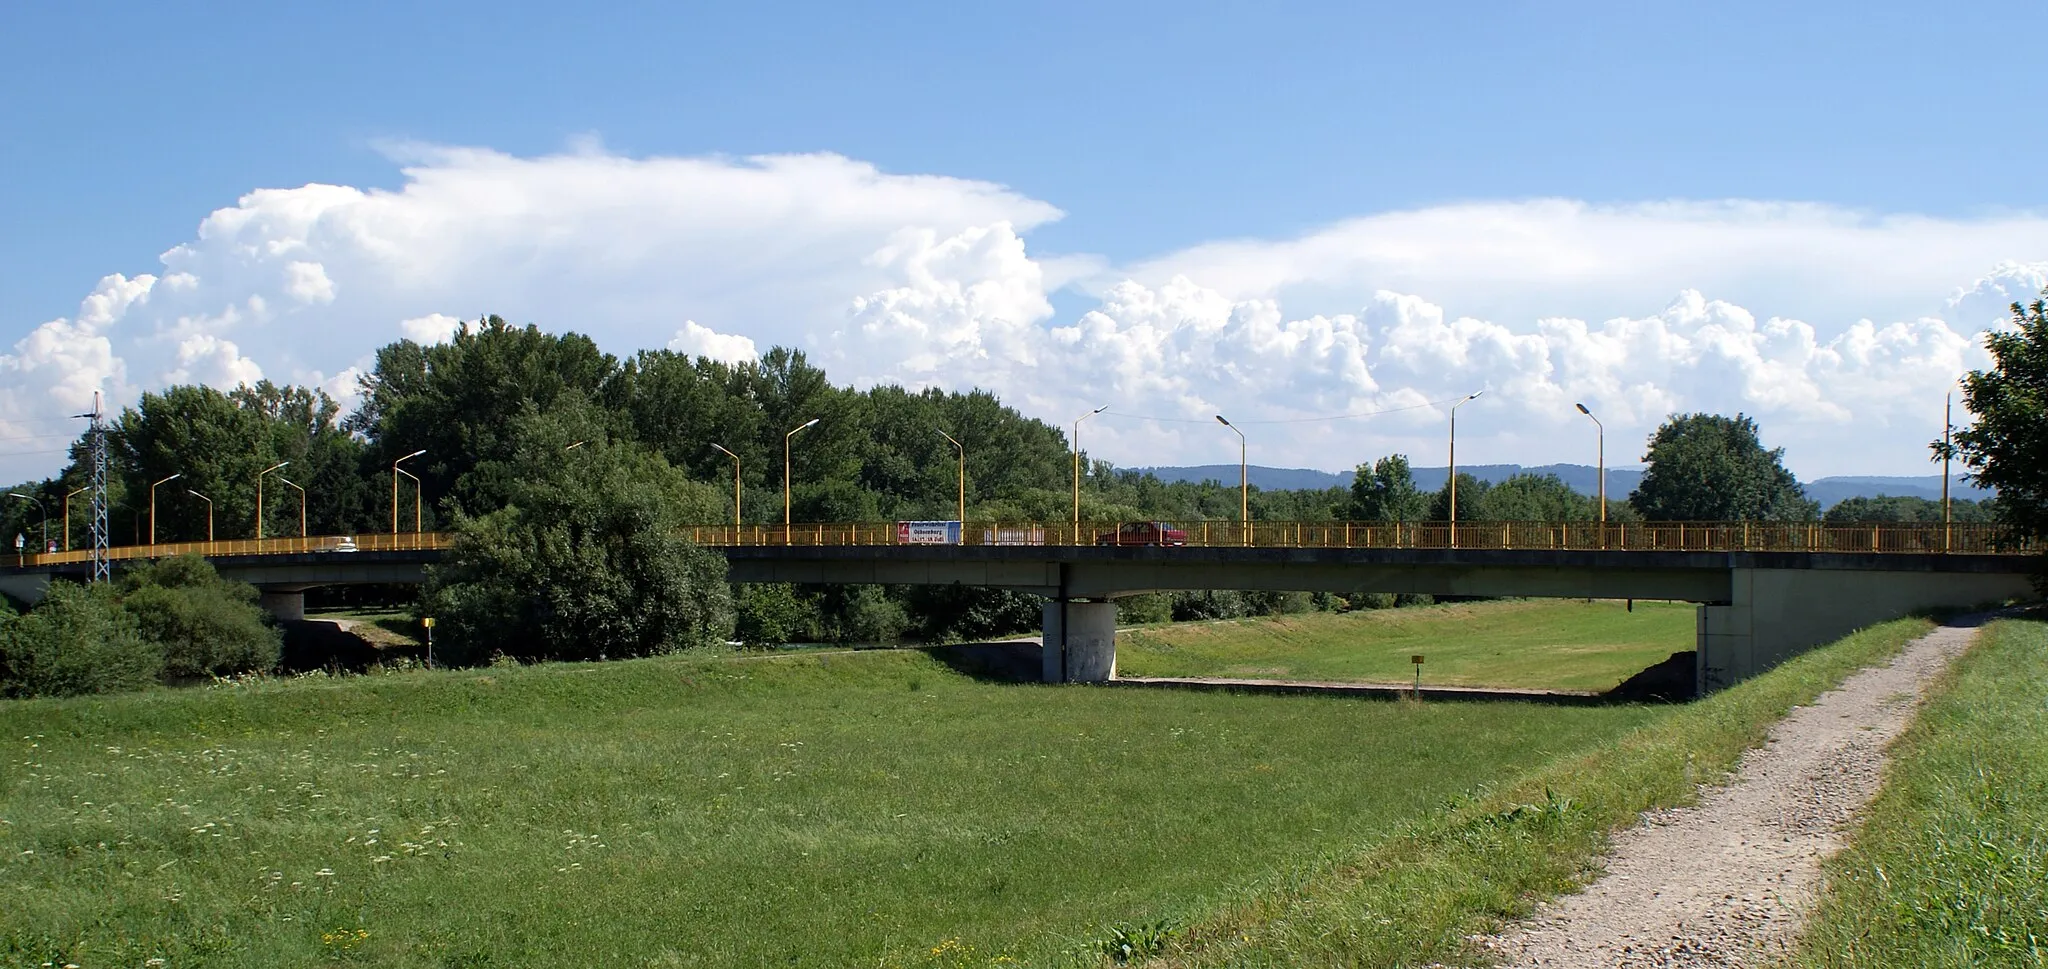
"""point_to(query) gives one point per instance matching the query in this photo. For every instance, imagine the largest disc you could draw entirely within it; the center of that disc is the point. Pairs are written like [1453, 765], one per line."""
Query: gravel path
[1726, 883]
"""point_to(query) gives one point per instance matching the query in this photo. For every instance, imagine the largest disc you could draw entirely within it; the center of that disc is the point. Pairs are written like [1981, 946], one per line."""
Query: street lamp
[735, 489]
[1603, 471]
[302, 504]
[152, 504]
[45, 513]
[1244, 487]
[416, 491]
[1077, 468]
[67, 513]
[785, 473]
[209, 512]
[259, 495]
[1454, 462]
[963, 482]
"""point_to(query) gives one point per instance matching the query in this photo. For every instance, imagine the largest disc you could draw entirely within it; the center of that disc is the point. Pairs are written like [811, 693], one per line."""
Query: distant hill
[1582, 478]
[1827, 491]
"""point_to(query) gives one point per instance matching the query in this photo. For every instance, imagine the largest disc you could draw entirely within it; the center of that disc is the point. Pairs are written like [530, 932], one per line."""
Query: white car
[347, 544]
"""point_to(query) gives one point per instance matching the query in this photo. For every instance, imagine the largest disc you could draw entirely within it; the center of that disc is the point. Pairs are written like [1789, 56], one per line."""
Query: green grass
[1415, 896]
[1951, 865]
[824, 810]
[1559, 644]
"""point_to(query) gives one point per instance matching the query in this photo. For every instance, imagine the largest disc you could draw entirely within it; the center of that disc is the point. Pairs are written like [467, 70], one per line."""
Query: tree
[1471, 500]
[458, 401]
[584, 560]
[1706, 467]
[1906, 508]
[1385, 491]
[2006, 447]
[1534, 498]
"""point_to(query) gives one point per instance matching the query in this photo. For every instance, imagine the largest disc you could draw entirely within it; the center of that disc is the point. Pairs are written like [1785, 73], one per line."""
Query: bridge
[1765, 591]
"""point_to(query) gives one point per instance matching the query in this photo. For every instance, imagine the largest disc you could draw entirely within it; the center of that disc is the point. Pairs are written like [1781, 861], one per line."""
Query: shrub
[584, 561]
[78, 640]
[203, 624]
[769, 613]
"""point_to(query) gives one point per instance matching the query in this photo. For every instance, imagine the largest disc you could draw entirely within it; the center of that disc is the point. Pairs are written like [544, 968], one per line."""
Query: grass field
[1557, 644]
[835, 810]
[1951, 865]
[387, 625]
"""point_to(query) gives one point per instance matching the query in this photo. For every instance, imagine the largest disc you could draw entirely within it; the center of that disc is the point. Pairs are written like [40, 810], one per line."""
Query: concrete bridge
[1765, 592]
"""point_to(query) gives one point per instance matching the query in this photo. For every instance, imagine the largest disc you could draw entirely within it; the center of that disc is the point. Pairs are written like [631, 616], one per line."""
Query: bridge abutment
[284, 606]
[1775, 614]
[1079, 642]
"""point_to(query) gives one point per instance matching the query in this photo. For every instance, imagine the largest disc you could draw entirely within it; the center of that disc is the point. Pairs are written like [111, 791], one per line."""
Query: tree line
[567, 472]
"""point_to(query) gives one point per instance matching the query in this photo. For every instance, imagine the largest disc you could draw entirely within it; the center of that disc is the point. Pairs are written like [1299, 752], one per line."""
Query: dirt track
[1726, 883]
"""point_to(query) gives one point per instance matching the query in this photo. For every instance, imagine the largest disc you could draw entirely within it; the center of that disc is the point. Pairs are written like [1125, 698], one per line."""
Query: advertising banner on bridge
[927, 533]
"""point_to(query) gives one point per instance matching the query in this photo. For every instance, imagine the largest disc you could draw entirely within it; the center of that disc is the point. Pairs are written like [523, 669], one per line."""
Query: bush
[78, 640]
[863, 614]
[583, 562]
[203, 625]
[771, 613]
[955, 613]
[1151, 607]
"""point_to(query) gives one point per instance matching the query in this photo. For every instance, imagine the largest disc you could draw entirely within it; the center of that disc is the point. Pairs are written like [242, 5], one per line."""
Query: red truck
[1144, 533]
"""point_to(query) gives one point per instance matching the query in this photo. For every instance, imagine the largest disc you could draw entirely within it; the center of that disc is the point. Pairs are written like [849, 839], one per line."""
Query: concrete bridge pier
[1079, 642]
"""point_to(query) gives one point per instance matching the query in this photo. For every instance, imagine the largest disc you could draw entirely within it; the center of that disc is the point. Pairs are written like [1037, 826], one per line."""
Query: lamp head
[195, 494]
[16, 494]
[576, 445]
[808, 423]
[1583, 410]
[1474, 395]
[1099, 410]
[412, 455]
[172, 478]
[1220, 420]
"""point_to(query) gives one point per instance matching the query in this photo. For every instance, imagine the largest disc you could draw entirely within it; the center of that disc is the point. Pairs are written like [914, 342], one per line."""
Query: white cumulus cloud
[1839, 329]
[698, 340]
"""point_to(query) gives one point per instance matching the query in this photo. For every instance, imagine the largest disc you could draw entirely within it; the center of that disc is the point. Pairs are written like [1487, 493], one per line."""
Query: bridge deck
[1879, 539]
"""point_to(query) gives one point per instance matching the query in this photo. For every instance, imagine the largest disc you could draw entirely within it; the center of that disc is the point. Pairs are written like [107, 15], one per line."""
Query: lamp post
[152, 503]
[259, 495]
[67, 513]
[735, 489]
[1077, 468]
[302, 504]
[209, 512]
[1947, 448]
[1454, 462]
[963, 482]
[45, 513]
[1244, 487]
[1602, 458]
[395, 472]
[785, 473]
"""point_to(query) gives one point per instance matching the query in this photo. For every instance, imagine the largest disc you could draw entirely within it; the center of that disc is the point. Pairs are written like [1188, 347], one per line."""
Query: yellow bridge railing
[1535, 536]
[1972, 539]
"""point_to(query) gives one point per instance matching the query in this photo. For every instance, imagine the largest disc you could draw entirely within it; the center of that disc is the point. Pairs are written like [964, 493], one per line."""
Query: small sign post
[1417, 660]
[429, 623]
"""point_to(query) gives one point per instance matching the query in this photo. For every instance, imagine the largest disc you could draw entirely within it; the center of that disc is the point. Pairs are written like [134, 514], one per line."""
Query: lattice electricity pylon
[102, 568]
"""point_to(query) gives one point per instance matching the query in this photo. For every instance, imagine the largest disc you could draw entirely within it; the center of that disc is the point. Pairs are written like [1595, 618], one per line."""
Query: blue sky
[1155, 131]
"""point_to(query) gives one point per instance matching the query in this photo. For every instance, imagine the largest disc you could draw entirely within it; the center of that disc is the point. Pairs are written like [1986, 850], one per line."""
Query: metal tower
[102, 569]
